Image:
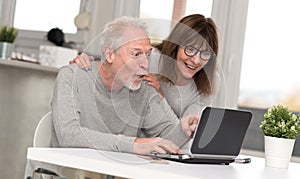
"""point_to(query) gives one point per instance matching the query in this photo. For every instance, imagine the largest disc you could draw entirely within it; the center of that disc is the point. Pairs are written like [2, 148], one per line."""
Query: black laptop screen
[221, 132]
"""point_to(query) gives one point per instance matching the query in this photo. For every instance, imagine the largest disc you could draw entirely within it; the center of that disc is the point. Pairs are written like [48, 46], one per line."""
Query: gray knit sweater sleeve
[162, 121]
[69, 129]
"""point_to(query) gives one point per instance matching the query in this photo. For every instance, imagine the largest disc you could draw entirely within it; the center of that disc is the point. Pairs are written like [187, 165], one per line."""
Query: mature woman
[187, 65]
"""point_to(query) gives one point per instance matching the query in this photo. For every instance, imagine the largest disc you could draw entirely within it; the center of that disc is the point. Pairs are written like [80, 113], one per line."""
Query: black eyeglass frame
[200, 52]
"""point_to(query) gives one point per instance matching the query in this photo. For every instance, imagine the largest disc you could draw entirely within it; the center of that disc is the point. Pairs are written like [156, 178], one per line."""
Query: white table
[132, 166]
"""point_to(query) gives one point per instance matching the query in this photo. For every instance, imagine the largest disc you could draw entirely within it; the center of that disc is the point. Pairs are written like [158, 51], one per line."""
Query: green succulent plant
[280, 122]
[8, 34]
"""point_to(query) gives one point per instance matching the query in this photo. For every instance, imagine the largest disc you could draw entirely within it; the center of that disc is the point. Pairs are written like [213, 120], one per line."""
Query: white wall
[24, 98]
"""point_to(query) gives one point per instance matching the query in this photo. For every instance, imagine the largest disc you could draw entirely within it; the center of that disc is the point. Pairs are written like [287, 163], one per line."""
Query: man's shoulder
[73, 70]
[68, 69]
[73, 74]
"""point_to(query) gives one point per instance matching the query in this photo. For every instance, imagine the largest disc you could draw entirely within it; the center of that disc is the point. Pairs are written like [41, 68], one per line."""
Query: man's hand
[189, 124]
[144, 146]
[83, 61]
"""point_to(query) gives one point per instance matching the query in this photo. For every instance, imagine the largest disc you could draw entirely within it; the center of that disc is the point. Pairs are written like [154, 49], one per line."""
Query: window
[270, 60]
[149, 9]
[168, 10]
[158, 23]
[199, 7]
[46, 15]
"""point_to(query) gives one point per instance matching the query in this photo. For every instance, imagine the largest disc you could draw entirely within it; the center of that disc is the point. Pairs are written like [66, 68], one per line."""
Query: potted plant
[280, 127]
[7, 37]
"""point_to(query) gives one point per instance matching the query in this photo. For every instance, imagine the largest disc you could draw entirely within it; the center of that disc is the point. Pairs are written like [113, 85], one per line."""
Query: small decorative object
[281, 127]
[82, 20]
[7, 37]
[55, 56]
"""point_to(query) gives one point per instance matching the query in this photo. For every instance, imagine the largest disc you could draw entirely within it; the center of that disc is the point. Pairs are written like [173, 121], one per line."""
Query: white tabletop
[132, 166]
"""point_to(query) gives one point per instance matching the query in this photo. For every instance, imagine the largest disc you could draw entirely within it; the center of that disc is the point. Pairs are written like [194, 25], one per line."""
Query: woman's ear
[109, 54]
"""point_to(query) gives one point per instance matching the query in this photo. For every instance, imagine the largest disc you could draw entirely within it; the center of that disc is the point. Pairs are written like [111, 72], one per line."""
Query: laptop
[218, 138]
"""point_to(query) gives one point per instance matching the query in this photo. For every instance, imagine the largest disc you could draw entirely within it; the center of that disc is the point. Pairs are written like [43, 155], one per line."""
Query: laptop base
[186, 158]
[202, 161]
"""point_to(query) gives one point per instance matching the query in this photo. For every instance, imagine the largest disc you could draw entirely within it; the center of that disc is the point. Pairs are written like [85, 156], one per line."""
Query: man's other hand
[144, 146]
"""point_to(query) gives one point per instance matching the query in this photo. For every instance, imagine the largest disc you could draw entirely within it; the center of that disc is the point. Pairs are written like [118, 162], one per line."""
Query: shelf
[28, 65]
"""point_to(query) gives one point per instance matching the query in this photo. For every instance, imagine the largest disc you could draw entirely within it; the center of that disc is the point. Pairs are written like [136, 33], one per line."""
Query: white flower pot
[6, 50]
[278, 151]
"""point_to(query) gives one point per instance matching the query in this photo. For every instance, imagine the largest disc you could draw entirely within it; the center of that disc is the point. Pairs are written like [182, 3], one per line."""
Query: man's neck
[108, 76]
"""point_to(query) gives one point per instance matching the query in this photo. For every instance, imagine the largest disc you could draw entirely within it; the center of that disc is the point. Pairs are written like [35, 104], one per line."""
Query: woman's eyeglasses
[191, 51]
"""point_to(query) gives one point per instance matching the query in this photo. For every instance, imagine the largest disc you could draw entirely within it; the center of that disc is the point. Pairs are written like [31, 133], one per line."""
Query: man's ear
[113, 55]
[109, 54]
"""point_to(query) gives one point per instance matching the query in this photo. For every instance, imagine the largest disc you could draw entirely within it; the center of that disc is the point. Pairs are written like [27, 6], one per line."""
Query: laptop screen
[220, 132]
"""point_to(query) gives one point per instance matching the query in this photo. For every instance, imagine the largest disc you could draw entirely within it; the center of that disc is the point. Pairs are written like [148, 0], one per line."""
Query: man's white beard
[134, 84]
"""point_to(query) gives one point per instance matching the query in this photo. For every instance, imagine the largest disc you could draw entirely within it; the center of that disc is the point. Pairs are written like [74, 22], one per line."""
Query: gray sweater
[87, 114]
[185, 99]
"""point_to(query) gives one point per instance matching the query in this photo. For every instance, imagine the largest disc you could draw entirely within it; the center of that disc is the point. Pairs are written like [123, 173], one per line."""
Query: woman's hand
[153, 81]
[83, 61]
[189, 124]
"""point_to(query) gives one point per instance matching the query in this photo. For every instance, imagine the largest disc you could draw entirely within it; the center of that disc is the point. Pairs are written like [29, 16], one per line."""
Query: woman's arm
[83, 61]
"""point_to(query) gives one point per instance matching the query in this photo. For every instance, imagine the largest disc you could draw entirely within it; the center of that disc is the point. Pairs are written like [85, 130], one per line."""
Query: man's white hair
[113, 33]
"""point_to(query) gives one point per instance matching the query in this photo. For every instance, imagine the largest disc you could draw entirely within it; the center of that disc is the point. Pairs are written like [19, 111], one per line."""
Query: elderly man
[110, 107]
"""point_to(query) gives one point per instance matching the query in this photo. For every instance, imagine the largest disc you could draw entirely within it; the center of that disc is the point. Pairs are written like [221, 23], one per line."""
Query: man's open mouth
[141, 74]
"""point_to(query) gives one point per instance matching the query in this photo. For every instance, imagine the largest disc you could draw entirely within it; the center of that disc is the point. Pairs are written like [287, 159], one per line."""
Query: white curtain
[230, 17]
